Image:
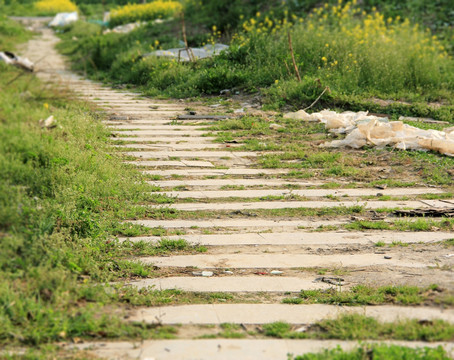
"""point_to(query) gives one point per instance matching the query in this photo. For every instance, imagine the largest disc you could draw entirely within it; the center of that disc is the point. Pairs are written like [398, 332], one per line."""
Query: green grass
[360, 327]
[330, 50]
[377, 352]
[365, 295]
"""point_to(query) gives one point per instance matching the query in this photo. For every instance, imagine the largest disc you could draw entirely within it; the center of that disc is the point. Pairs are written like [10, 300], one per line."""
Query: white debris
[182, 53]
[363, 129]
[12, 59]
[49, 123]
[63, 19]
[124, 29]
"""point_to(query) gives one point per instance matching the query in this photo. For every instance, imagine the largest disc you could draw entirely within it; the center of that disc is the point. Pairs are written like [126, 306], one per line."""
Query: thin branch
[316, 100]
[297, 72]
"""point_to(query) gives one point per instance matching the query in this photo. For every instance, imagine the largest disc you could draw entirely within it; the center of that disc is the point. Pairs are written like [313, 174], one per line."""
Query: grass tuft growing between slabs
[364, 295]
[360, 327]
[377, 352]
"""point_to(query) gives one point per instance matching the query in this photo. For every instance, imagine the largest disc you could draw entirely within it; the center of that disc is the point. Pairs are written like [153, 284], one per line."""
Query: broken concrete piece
[49, 123]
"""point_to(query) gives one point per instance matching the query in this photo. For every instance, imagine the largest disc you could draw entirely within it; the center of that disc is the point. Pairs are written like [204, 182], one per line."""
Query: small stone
[379, 194]
[207, 273]
[381, 187]
[192, 113]
[49, 123]
[301, 329]
[228, 272]
[274, 126]
[387, 257]
[276, 272]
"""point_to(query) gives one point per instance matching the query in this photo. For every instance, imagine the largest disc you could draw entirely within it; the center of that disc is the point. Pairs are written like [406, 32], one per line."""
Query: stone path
[248, 254]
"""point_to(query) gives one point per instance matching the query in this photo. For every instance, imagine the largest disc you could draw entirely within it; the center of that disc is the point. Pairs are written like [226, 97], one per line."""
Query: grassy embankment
[358, 55]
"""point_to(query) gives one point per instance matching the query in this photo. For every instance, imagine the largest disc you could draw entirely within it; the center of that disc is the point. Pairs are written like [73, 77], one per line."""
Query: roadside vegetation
[360, 55]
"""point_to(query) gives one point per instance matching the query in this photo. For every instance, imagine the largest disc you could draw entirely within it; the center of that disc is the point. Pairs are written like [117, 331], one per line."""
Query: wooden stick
[288, 69]
[188, 51]
[293, 56]
[316, 100]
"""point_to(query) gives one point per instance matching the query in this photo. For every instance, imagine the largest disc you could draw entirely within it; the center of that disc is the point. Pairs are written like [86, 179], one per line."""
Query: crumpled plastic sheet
[63, 19]
[182, 54]
[363, 129]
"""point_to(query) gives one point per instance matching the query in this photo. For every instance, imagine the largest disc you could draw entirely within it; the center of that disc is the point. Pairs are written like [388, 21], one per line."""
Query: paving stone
[228, 349]
[167, 140]
[183, 163]
[216, 183]
[216, 172]
[233, 284]
[293, 314]
[154, 127]
[281, 261]
[304, 204]
[161, 133]
[305, 238]
[206, 194]
[161, 146]
[191, 154]
[262, 224]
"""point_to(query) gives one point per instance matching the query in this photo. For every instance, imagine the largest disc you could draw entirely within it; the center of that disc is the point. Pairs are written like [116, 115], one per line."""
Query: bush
[159, 9]
[55, 6]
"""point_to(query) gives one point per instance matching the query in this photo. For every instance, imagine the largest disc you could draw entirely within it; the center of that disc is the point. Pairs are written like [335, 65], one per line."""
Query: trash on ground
[203, 273]
[123, 29]
[12, 59]
[426, 212]
[424, 120]
[276, 272]
[363, 129]
[49, 123]
[63, 19]
[330, 280]
[182, 54]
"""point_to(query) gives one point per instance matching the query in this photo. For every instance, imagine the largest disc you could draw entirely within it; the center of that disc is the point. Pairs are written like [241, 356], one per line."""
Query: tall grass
[61, 196]
[354, 53]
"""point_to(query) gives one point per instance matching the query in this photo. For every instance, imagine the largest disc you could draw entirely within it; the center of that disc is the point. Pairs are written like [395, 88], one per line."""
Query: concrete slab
[212, 194]
[305, 238]
[184, 163]
[184, 146]
[153, 127]
[262, 224]
[228, 349]
[305, 204]
[214, 172]
[282, 261]
[232, 284]
[167, 140]
[161, 133]
[293, 314]
[216, 183]
[191, 154]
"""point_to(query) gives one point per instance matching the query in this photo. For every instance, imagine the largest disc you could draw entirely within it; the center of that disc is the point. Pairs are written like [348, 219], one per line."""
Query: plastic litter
[363, 129]
[182, 54]
[276, 272]
[63, 19]
[49, 123]
[123, 29]
[12, 59]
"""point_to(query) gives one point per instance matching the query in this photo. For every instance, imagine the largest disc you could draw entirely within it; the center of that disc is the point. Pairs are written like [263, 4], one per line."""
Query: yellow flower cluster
[158, 9]
[55, 6]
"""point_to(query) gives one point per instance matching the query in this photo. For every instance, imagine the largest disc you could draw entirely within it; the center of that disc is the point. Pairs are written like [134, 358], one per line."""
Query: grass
[377, 352]
[365, 295]
[360, 327]
[335, 46]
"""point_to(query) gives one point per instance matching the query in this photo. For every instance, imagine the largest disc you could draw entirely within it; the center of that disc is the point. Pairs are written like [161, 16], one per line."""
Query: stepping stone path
[248, 253]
